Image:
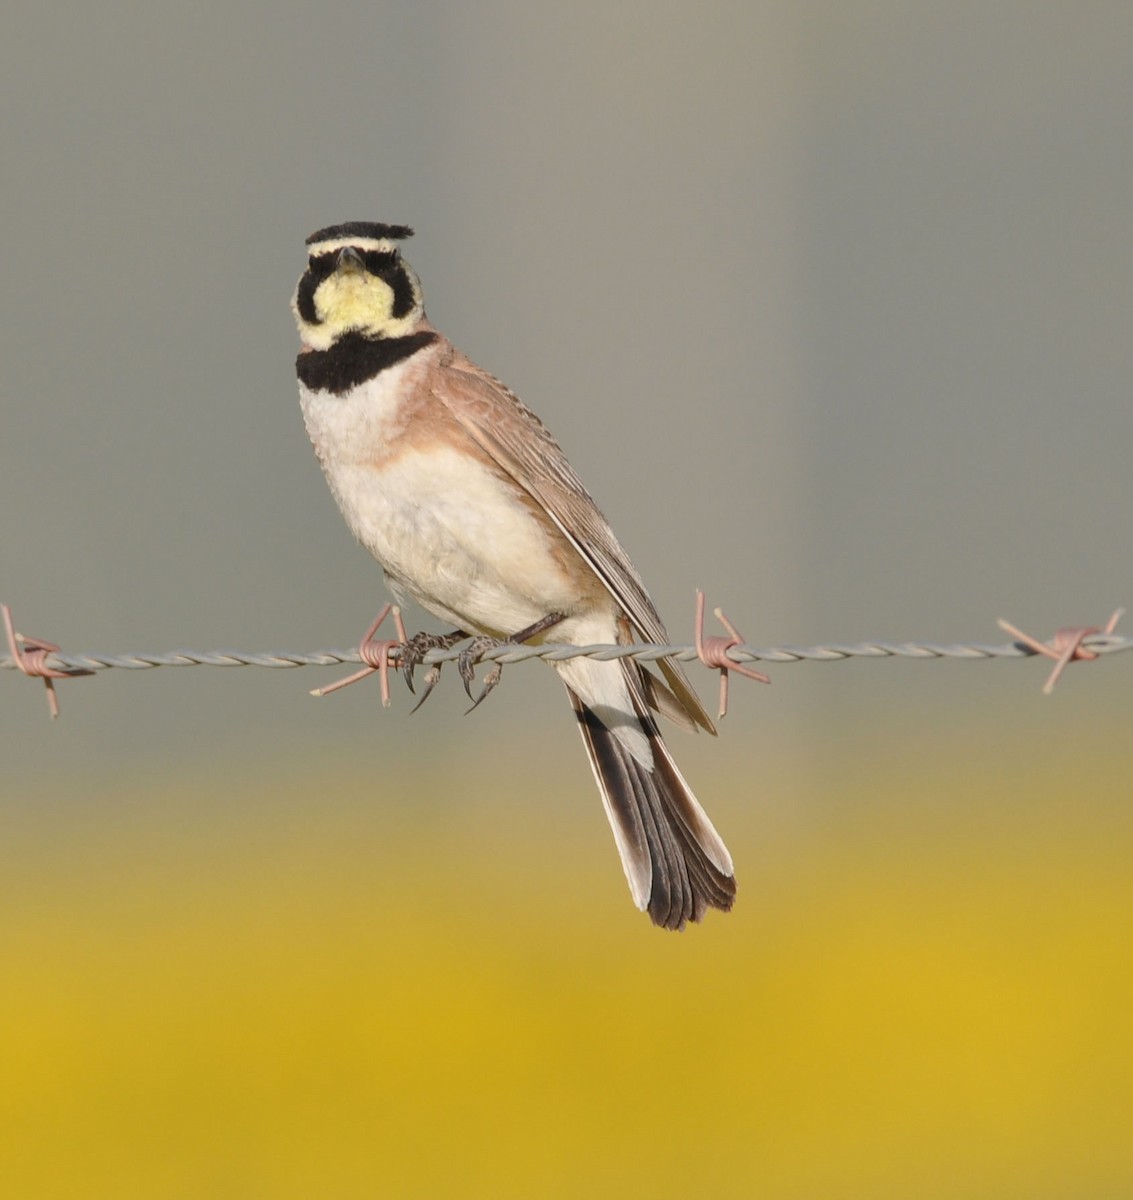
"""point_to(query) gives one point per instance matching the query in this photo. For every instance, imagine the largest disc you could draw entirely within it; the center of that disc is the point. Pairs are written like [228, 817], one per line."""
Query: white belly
[444, 527]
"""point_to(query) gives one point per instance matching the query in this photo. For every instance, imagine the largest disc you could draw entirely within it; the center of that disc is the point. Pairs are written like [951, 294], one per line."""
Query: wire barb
[30, 656]
[1066, 645]
[375, 654]
[713, 651]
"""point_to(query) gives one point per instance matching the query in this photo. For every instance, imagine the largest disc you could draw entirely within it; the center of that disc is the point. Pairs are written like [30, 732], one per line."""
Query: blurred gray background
[828, 303]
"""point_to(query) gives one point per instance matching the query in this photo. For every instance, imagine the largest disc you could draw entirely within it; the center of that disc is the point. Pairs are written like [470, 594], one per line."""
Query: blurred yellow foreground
[350, 988]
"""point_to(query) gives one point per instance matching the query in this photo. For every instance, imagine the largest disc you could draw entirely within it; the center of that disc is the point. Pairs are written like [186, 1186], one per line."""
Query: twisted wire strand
[1100, 643]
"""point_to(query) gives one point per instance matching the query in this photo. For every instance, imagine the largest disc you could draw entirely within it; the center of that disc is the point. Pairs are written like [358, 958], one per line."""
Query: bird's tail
[676, 863]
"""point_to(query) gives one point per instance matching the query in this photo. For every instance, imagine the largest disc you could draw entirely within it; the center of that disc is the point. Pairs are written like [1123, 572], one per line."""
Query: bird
[471, 508]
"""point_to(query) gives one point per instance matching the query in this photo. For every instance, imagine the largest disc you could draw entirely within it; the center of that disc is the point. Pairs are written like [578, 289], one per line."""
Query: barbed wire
[45, 660]
[741, 653]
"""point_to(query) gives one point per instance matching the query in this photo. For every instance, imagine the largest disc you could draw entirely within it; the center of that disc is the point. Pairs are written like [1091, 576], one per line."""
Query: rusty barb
[30, 656]
[375, 655]
[1066, 645]
[713, 651]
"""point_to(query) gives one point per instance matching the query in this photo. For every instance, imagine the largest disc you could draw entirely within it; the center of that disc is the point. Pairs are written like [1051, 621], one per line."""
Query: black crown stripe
[360, 229]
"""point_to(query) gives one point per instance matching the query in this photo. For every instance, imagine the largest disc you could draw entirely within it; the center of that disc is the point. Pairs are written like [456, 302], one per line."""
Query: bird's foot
[479, 646]
[412, 653]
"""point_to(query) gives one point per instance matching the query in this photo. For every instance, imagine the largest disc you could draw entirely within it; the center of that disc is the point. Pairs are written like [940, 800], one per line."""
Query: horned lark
[471, 508]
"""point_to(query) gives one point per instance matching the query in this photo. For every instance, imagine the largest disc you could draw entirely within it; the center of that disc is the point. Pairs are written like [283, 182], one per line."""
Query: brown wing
[517, 440]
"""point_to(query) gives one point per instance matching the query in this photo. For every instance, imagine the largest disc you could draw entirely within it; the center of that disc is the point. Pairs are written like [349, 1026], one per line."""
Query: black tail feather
[661, 831]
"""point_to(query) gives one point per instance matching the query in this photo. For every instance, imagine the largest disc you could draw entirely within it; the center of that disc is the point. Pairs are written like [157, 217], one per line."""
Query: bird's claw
[466, 665]
[430, 678]
[413, 653]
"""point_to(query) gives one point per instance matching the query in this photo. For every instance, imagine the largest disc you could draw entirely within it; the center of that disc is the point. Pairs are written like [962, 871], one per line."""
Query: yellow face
[356, 285]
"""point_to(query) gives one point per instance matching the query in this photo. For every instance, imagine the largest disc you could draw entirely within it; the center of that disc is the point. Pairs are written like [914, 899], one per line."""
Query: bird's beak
[350, 261]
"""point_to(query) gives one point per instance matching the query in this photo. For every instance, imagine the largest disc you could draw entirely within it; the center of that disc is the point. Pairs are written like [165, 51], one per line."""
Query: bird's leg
[476, 648]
